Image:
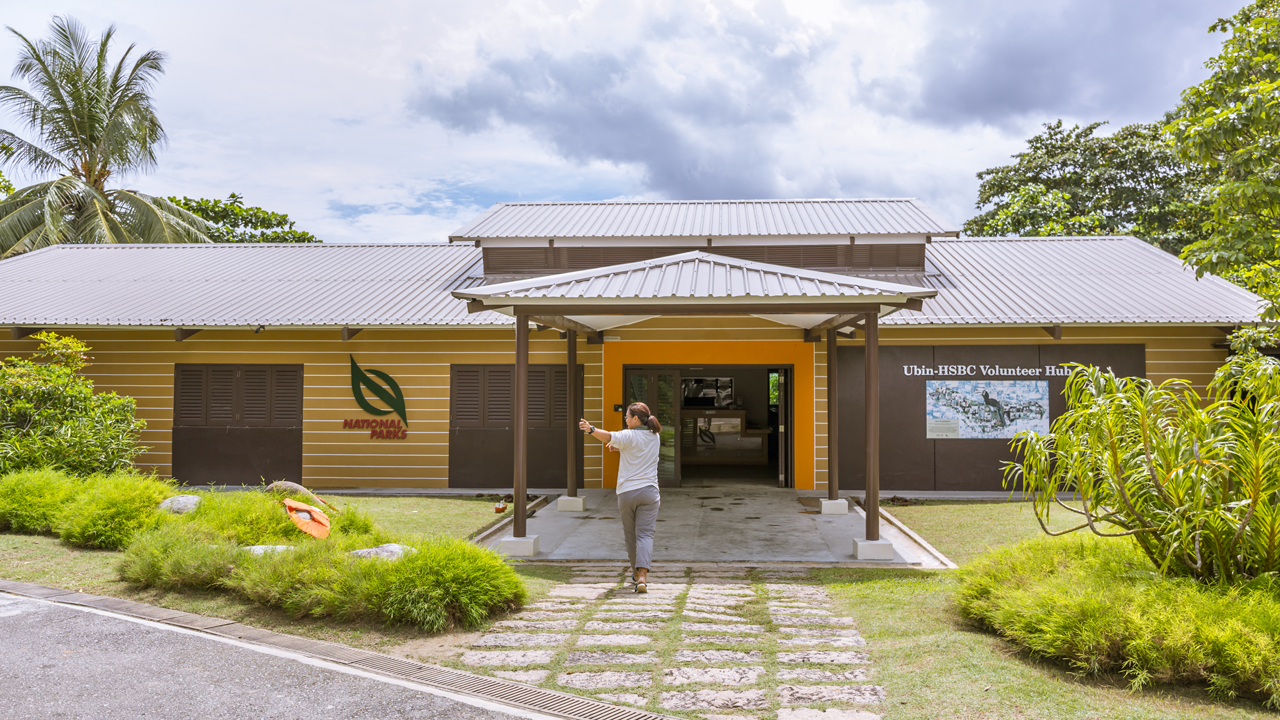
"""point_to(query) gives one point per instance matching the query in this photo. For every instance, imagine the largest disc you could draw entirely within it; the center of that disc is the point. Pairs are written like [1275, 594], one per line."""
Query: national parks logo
[379, 427]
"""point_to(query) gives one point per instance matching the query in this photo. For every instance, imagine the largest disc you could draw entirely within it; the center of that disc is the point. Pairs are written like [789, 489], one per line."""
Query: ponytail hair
[640, 411]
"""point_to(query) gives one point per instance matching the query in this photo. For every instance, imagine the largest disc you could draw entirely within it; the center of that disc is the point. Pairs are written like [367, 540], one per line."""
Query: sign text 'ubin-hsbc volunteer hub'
[985, 409]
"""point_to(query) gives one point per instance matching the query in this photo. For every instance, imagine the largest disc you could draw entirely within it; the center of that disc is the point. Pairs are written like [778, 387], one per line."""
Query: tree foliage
[1230, 125]
[1073, 181]
[6, 187]
[232, 222]
[1196, 484]
[50, 416]
[91, 121]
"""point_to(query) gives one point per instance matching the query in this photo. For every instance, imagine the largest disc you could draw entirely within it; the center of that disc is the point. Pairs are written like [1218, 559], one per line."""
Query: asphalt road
[62, 662]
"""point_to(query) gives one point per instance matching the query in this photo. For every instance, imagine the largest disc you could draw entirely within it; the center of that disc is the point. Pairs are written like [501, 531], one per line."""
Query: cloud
[692, 103]
[996, 61]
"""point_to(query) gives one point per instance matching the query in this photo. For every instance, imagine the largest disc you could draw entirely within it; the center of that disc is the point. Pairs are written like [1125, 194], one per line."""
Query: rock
[813, 675]
[610, 658]
[508, 657]
[597, 626]
[532, 677]
[389, 551]
[800, 695]
[716, 656]
[517, 639]
[607, 679]
[819, 656]
[828, 714]
[614, 640]
[180, 504]
[264, 549]
[714, 700]
[628, 698]
[284, 487]
[718, 676]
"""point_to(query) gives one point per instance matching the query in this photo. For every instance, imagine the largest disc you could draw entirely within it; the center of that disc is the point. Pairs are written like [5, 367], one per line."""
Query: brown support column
[570, 410]
[872, 394]
[522, 423]
[833, 419]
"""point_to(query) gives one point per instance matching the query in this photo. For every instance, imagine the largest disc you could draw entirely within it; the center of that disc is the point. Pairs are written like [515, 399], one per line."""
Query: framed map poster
[998, 409]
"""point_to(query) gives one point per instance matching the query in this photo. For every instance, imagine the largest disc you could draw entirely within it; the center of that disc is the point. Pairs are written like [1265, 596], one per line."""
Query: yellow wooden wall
[140, 363]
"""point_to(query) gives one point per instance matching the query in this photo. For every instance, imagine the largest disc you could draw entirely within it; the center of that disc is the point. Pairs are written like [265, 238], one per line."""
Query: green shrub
[317, 579]
[245, 518]
[31, 500]
[178, 555]
[1099, 606]
[109, 510]
[51, 418]
[449, 582]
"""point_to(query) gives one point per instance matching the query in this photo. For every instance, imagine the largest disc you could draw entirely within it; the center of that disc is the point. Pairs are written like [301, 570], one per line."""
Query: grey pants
[639, 510]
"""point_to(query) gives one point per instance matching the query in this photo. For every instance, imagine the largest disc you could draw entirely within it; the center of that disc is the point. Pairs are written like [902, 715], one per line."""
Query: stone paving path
[707, 641]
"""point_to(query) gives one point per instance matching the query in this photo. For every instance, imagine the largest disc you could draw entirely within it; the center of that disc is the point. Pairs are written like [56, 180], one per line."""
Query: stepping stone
[543, 615]
[720, 627]
[832, 641]
[830, 714]
[721, 585]
[635, 626]
[517, 639]
[580, 657]
[584, 592]
[646, 615]
[821, 656]
[809, 695]
[538, 624]
[562, 605]
[725, 592]
[815, 675]
[821, 632]
[628, 698]
[533, 677]
[714, 700]
[798, 610]
[507, 657]
[719, 676]
[712, 616]
[713, 602]
[807, 620]
[617, 640]
[732, 581]
[607, 679]
[717, 656]
[611, 581]
[720, 639]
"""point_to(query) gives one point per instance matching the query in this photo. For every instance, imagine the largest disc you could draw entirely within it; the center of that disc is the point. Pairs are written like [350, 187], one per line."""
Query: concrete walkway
[724, 523]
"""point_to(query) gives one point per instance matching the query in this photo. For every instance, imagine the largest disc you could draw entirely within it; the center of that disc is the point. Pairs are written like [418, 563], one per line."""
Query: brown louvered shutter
[911, 257]
[560, 397]
[499, 390]
[860, 257]
[884, 256]
[222, 395]
[466, 396]
[286, 396]
[189, 395]
[821, 256]
[255, 398]
[538, 397]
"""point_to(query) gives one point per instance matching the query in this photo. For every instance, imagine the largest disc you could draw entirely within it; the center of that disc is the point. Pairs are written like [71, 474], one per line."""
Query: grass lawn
[934, 664]
[46, 561]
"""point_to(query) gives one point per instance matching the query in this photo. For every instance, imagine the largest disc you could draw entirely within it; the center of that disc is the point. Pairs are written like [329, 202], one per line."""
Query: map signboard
[967, 409]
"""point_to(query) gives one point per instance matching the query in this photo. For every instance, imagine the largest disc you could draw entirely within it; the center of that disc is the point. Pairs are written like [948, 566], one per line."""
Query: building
[392, 365]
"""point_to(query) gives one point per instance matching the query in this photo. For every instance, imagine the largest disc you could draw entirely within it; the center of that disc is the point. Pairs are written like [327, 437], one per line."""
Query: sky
[399, 121]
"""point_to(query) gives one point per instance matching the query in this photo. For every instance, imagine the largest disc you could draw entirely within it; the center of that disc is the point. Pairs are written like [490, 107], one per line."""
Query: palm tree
[91, 121]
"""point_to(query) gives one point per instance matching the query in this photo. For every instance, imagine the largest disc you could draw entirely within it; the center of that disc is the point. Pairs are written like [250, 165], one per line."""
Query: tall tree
[1071, 180]
[92, 120]
[1230, 124]
[232, 222]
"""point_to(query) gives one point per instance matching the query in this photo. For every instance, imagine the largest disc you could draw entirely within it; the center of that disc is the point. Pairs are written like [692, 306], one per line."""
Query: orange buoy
[309, 520]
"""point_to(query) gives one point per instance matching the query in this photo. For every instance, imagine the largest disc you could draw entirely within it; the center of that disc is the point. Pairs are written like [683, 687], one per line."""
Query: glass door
[659, 390]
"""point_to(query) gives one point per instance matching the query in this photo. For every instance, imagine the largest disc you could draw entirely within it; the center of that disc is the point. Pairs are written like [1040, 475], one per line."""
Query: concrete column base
[518, 547]
[835, 507]
[872, 549]
[571, 504]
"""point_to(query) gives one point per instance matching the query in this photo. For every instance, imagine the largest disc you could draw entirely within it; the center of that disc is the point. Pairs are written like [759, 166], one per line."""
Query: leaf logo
[393, 397]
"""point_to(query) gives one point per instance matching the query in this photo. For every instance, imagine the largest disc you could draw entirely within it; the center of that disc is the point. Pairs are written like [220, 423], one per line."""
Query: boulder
[264, 549]
[180, 504]
[284, 487]
[390, 551]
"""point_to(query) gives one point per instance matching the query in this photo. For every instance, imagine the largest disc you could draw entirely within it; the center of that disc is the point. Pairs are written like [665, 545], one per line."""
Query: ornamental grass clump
[450, 582]
[31, 500]
[108, 510]
[1194, 482]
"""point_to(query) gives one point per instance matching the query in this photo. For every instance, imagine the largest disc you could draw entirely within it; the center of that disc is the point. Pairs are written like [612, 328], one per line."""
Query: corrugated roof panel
[699, 218]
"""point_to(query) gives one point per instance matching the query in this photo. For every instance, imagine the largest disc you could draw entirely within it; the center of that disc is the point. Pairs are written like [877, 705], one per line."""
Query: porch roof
[694, 283]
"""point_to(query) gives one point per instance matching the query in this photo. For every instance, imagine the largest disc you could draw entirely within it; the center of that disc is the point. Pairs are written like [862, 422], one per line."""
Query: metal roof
[1054, 281]
[239, 285]
[992, 281]
[689, 278]
[705, 218]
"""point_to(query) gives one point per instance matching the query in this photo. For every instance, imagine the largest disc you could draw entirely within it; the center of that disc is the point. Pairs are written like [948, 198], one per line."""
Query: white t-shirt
[638, 466]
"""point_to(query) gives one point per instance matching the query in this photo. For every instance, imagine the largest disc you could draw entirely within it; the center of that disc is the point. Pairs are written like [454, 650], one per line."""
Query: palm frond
[156, 220]
[30, 155]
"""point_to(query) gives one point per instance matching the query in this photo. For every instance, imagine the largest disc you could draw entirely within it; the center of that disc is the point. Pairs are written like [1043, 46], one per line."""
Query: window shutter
[560, 396]
[537, 397]
[222, 394]
[286, 396]
[255, 402]
[466, 396]
[189, 402]
[499, 390]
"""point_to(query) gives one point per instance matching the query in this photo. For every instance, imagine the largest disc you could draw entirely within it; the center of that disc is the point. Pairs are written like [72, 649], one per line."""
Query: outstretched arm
[601, 435]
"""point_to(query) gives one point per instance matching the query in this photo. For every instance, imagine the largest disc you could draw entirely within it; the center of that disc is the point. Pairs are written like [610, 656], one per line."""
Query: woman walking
[638, 498]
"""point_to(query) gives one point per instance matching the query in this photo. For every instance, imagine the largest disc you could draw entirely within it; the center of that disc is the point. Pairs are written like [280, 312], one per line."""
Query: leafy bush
[51, 418]
[1196, 484]
[109, 510]
[449, 582]
[31, 500]
[177, 555]
[1098, 606]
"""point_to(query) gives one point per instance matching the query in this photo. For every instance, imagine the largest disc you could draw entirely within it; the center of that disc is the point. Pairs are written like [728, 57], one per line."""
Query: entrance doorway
[720, 423]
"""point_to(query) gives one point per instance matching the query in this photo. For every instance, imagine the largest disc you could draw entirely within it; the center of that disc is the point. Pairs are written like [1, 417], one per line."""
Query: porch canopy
[699, 283]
